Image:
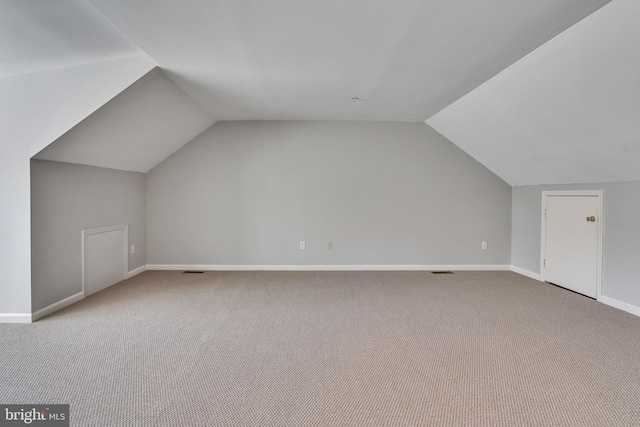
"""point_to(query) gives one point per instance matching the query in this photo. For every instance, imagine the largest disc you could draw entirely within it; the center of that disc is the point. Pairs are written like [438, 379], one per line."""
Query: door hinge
[545, 213]
[544, 263]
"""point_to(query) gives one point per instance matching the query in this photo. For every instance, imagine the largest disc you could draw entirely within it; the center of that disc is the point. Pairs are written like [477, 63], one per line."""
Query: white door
[105, 260]
[571, 253]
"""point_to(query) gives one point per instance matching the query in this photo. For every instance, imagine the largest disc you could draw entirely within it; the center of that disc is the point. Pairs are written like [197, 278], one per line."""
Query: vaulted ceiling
[306, 59]
[467, 68]
[135, 130]
[44, 35]
[567, 113]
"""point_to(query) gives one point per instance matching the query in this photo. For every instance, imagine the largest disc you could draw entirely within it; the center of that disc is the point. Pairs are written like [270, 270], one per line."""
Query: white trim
[15, 318]
[431, 267]
[98, 230]
[593, 193]
[358, 267]
[527, 273]
[57, 306]
[629, 308]
[136, 271]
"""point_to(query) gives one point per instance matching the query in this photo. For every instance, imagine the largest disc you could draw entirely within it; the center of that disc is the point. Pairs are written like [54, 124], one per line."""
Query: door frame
[600, 222]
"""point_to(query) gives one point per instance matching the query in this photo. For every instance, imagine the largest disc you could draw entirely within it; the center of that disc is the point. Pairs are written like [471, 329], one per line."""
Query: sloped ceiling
[306, 59]
[562, 114]
[37, 108]
[567, 113]
[43, 35]
[134, 131]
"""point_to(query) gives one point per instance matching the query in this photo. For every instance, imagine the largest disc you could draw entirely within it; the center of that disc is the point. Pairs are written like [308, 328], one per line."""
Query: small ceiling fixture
[355, 98]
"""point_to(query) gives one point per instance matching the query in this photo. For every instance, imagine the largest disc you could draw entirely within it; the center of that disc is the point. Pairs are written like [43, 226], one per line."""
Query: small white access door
[104, 257]
[572, 240]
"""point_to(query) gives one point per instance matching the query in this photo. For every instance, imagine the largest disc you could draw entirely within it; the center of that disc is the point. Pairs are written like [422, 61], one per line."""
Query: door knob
[591, 218]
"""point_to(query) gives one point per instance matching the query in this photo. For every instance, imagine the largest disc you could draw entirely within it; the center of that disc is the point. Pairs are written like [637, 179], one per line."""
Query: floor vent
[442, 272]
[193, 272]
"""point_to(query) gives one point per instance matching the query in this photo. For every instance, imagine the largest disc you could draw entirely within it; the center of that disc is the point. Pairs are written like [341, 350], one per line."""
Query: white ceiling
[567, 113]
[38, 35]
[306, 59]
[136, 130]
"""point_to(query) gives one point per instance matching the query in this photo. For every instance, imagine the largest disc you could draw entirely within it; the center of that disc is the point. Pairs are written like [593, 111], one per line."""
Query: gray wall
[384, 193]
[35, 109]
[65, 199]
[621, 247]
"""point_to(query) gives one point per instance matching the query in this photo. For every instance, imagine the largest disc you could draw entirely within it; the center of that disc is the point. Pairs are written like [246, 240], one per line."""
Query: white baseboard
[358, 267]
[620, 305]
[136, 271]
[527, 273]
[414, 267]
[57, 306]
[15, 318]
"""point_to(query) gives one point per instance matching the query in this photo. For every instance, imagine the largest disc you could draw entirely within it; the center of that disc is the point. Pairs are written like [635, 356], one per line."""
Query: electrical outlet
[133, 249]
[303, 245]
[330, 245]
[484, 245]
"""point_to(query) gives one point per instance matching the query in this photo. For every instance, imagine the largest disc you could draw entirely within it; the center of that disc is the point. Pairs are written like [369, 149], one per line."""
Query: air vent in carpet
[193, 272]
[442, 272]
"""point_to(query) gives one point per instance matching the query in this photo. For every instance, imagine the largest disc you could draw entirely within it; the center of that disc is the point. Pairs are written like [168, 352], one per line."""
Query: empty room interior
[344, 213]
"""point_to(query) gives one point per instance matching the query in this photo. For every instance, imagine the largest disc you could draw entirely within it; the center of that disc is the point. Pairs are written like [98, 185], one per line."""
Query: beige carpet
[330, 349]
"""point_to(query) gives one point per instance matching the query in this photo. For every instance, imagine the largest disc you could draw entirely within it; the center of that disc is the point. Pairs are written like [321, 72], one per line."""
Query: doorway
[572, 240]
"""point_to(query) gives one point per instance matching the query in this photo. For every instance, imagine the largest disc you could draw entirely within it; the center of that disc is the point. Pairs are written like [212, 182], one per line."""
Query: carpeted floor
[329, 349]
